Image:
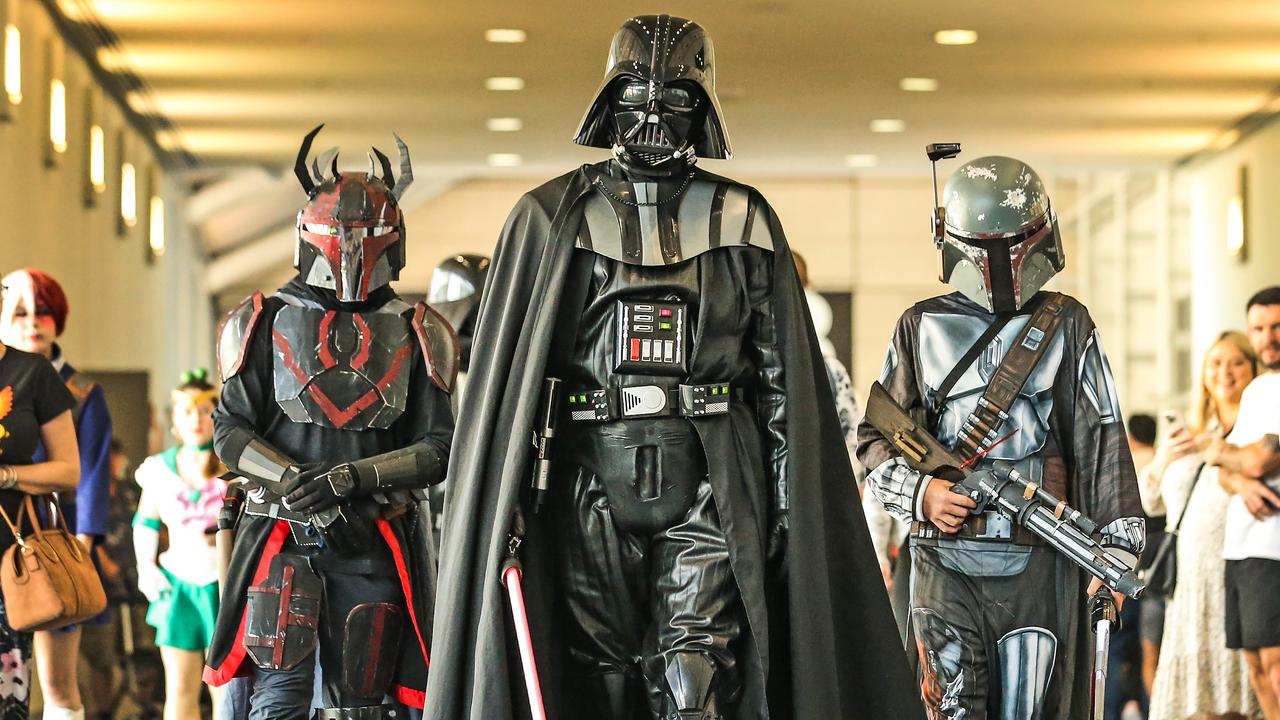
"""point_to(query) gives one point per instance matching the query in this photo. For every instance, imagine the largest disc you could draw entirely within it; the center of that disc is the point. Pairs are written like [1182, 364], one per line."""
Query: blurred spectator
[35, 315]
[1125, 686]
[1142, 444]
[1197, 675]
[112, 683]
[35, 410]
[889, 540]
[182, 491]
[1249, 460]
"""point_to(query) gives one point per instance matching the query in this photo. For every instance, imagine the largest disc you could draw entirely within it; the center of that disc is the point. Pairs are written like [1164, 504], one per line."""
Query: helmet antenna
[936, 152]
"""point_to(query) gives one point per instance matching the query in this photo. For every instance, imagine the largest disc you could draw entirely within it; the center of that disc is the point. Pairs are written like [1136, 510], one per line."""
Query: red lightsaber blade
[511, 579]
[994, 445]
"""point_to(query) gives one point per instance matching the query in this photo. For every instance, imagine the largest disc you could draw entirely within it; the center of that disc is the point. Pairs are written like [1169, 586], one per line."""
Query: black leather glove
[321, 487]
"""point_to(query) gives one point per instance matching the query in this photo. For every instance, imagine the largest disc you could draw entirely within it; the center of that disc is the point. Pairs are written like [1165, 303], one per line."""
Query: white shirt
[1259, 416]
[188, 515]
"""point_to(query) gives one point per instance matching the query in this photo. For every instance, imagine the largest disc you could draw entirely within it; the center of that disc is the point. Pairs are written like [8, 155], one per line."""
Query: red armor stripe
[366, 344]
[326, 328]
[340, 417]
[374, 247]
[286, 354]
[377, 626]
[397, 554]
[230, 665]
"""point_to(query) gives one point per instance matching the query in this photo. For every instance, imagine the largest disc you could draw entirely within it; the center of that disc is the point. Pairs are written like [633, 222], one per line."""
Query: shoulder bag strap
[1194, 479]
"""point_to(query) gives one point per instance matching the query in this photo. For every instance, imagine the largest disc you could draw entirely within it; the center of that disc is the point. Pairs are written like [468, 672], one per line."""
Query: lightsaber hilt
[544, 435]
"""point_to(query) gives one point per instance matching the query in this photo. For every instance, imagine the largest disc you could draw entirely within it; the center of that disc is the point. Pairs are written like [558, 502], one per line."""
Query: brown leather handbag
[47, 577]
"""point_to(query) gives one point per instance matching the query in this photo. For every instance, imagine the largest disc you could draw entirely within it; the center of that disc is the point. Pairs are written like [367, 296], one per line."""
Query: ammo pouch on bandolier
[984, 425]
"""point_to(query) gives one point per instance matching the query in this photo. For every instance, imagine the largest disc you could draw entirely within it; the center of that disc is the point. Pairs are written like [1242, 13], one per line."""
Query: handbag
[47, 577]
[1161, 574]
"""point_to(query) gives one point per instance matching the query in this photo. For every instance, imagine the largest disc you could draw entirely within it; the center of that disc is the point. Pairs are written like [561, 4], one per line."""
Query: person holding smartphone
[1197, 676]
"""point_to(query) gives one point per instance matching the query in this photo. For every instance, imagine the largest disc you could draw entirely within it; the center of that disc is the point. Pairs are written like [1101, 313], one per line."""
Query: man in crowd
[1250, 461]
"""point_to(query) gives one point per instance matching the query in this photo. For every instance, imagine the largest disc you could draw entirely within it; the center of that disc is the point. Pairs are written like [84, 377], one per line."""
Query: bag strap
[982, 427]
[1194, 479]
[15, 528]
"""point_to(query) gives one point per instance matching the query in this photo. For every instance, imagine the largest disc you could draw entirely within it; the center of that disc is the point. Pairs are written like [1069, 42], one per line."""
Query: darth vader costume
[996, 614]
[335, 417]
[700, 553]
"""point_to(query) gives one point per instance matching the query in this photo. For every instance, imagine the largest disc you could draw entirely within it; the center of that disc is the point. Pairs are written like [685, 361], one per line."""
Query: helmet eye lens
[633, 93]
[678, 98]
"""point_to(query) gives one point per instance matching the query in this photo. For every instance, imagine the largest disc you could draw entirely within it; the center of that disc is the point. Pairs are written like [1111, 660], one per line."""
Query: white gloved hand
[152, 582]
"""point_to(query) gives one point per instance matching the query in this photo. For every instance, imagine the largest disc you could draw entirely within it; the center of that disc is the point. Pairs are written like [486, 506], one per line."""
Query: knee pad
[690, 688]
[1026, 666]
[371, 649]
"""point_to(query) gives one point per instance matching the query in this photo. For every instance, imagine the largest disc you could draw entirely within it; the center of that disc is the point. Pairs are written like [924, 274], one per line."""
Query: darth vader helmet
[656, 108]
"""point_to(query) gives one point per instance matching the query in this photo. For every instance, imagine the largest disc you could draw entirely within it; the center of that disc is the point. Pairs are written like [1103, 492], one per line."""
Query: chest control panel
[652, 338]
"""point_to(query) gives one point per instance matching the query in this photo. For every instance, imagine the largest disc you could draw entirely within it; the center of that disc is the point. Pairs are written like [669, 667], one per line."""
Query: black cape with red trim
[832, 645]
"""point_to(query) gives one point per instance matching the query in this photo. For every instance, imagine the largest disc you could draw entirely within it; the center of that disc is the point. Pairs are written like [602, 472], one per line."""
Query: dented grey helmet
[1001, 242]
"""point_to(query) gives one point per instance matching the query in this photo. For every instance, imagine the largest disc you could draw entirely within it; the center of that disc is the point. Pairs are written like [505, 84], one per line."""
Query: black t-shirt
[31, 394]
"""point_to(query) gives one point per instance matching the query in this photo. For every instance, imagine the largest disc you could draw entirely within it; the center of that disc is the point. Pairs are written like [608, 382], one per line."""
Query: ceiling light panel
[504, 160]
[504, 83]
[918, 84]
[860, 160]
[888, 125]
[504, 35]
[955, 37]
[504, 124]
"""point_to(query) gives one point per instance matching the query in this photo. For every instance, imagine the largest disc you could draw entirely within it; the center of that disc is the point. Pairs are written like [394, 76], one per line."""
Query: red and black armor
[351, 231]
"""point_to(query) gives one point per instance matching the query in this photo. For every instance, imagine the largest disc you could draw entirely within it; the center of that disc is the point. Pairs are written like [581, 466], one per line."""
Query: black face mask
[656, 125]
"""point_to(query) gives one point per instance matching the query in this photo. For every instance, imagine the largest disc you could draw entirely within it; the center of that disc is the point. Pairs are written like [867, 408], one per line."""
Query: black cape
[831, 648]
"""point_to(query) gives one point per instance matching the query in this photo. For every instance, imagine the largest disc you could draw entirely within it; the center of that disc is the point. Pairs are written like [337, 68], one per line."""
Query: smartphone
[1172, 418]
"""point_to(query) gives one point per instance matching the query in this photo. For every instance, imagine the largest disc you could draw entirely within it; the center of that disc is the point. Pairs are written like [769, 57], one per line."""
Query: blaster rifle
[1065, 529]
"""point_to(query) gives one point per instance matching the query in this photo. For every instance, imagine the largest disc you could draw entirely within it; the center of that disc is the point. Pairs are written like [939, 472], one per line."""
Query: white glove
[152, 582]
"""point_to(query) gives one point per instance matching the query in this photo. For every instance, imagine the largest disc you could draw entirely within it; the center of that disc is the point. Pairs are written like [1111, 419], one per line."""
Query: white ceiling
[1063, 84]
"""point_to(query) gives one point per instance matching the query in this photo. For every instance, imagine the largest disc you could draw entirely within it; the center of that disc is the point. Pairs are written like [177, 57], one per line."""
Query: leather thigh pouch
[282, 614]
[650, 470]
[371, 648]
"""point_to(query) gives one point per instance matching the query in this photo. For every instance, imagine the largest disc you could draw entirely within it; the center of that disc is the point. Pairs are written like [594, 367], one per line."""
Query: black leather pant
[654, 612]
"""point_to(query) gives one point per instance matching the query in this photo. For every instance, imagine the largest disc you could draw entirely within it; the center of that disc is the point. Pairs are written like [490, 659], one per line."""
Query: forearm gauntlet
[399, 475]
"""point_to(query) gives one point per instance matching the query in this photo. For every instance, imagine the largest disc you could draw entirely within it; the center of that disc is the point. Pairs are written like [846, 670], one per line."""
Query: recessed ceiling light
[918, 84]
[955, 37]
[860, 161]
[504, 35]
[504, 83]
[504, 159]
[504, 124]
[888, 125]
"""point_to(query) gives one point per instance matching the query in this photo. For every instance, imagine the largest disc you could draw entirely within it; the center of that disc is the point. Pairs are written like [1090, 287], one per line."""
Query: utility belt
[990, 526]
[651, 401]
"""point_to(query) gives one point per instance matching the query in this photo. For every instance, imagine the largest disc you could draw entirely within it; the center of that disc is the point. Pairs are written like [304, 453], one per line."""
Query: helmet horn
[388, 177]
[406, 170]
[300, 165]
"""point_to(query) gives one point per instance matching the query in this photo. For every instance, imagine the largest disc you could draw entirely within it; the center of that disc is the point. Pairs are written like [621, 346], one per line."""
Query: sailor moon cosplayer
[182, 490]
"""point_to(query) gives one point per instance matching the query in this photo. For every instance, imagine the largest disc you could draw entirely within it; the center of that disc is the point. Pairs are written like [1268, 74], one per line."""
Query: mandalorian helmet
[456, 284]
[999, 241]
[351, 231]
[657, 108]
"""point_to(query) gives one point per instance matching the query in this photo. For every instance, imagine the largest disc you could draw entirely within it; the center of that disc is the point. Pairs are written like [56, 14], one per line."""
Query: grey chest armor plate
[944, 338]
[342, 370]
[708, 215]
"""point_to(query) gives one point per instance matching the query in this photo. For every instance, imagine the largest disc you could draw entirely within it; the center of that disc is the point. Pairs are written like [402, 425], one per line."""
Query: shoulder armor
[440, 349]
[234, 334]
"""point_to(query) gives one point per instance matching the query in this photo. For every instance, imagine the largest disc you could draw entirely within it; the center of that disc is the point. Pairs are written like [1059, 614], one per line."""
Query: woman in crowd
[1198, 677]
[182, 490]
[35, 411]
[34, 316]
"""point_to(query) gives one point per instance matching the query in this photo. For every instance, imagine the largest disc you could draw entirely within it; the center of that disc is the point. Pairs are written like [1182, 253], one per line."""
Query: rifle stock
[920, 449]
